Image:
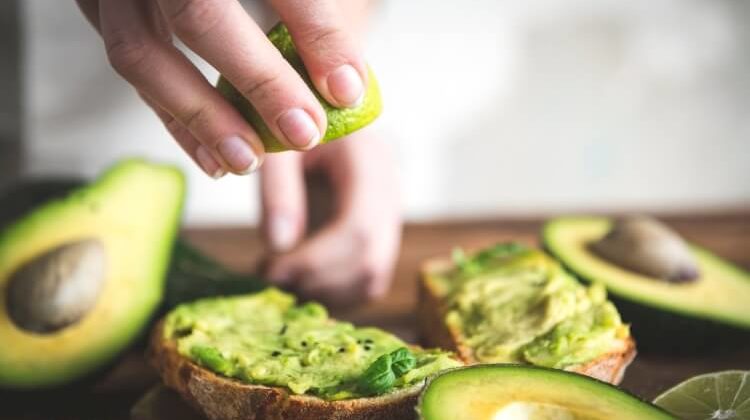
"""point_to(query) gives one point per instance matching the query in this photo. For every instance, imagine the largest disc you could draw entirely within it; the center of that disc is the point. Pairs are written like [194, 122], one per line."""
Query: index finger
[223, 34]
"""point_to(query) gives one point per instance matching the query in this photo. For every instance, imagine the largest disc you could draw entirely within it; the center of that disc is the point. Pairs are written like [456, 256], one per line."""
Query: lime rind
[341, 121]
[720, 395]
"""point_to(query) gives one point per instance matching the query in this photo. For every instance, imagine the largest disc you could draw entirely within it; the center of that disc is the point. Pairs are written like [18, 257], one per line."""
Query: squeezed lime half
[720, 396]
[341, 121]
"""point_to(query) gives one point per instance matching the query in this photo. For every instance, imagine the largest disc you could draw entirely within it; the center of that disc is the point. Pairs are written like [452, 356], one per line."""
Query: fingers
[221, 32]
[283, 201]
[187, 141]
[350, 259]
[330, 54]
[334, 266]
[137, 49]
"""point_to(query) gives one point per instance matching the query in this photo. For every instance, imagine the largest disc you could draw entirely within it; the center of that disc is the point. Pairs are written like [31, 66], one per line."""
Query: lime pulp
[715, 396]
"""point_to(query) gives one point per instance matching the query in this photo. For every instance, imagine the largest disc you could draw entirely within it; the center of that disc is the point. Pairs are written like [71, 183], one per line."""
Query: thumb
[283, 201]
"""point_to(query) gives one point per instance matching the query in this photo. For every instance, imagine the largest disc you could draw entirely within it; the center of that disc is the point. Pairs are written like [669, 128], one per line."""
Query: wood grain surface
[726, 234]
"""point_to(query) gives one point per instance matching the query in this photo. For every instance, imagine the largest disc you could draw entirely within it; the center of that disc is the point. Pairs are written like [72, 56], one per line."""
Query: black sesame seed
[341, 350]
[359, 341]
[368, 341]
[304, 344]
[368, 347]
[283, 329]
[276, 353]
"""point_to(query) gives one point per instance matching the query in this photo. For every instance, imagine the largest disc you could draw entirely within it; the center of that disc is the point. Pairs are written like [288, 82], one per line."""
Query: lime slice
[719, 395]
[341, 121]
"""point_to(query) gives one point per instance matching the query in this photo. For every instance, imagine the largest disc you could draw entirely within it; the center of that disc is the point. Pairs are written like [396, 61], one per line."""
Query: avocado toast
[513, 304]
[263, 356]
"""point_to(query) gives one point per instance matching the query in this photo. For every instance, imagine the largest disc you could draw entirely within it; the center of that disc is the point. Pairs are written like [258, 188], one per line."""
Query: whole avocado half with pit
[506, 391]
[710, 312]
[82, 276]
[341, 121]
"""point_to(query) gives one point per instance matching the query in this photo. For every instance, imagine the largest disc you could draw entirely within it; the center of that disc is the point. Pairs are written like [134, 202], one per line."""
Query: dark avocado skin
[659, 331]
[22, 198]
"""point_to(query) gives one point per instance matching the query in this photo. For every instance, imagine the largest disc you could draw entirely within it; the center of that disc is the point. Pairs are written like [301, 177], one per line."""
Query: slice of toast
[433, 331]
[218, 397]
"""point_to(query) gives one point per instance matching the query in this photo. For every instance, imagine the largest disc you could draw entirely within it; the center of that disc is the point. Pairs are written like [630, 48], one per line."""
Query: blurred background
[494, 107]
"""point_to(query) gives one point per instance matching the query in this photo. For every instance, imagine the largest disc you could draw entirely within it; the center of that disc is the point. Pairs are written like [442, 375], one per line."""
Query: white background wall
[494, 107]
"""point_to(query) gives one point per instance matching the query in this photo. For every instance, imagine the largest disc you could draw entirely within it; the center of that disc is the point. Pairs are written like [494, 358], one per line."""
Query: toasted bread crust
[433, 331]
[222, 398]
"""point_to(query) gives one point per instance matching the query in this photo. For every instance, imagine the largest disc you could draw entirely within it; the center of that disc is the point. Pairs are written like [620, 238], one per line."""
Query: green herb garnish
[381, 375]
[402, 361]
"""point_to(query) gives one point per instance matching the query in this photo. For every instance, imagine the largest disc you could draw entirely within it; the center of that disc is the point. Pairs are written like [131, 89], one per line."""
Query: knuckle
[172, 125]
[127, 55]
[324, 37]
[196, 119]
[193, 19]
[370, 271]
[262, 86]
[309, 266]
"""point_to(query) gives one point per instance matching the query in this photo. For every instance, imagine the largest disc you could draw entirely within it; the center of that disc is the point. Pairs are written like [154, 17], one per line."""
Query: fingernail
[281, 233]
[346, 86]
[299, 128]
[238, 155]
[209, 165]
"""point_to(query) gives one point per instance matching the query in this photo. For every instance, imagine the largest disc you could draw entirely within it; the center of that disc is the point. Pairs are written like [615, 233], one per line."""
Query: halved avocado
[712, 310]
[80, 277]
[504, 392]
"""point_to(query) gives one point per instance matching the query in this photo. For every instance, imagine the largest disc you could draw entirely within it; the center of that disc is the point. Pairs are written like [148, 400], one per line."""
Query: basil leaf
[402, 361]
[379, 377]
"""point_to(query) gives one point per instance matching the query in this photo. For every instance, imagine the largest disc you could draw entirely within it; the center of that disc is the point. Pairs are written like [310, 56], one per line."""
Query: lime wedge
[341, 121]
[719, 396]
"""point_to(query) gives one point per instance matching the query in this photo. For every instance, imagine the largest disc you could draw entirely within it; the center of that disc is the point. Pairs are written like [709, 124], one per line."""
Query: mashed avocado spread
[267, 339]
[515, 304]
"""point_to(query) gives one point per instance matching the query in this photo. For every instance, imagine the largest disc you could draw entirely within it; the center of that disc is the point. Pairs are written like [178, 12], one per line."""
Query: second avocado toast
[513, 304]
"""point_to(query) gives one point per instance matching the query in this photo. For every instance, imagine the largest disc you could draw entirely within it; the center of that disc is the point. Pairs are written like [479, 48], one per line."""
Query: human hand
[138, 35]
[351, 257]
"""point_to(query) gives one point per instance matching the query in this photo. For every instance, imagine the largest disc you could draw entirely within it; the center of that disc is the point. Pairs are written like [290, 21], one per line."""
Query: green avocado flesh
[512, 392]
[132, 211]
[267, 339]
[341, 121]
[721, 292]
[514, 304]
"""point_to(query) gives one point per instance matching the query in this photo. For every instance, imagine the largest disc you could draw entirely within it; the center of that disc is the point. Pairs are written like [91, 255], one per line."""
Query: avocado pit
[646, 246]
[58, 288]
